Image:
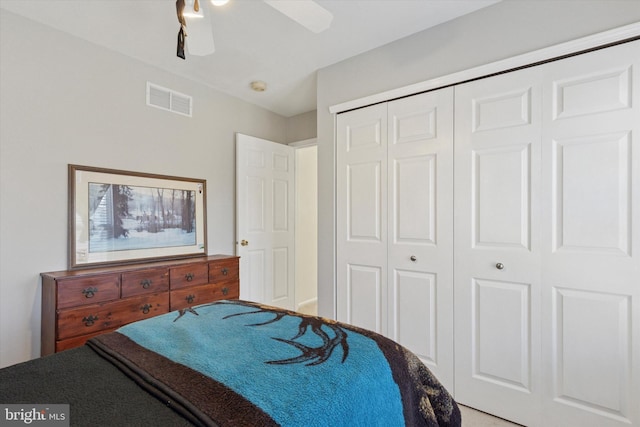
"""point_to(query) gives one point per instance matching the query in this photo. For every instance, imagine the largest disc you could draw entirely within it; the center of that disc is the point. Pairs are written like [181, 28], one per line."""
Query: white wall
[506, 29]
[63, 100]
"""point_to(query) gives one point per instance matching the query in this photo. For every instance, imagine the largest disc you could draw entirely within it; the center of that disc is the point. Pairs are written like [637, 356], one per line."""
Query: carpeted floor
[473, 418]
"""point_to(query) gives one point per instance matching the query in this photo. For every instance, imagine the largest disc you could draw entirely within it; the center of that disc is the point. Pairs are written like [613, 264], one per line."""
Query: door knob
[413, 258]
[244, 243]
[500, 266]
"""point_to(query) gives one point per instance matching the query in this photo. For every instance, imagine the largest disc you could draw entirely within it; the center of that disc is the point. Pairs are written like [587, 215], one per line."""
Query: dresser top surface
[137, 266]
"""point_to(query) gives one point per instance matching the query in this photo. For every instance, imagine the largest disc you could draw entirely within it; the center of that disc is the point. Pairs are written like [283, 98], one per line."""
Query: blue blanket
[241, 363]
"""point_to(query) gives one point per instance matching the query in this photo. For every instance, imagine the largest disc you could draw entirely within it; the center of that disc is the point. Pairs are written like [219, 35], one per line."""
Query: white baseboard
[309, 306]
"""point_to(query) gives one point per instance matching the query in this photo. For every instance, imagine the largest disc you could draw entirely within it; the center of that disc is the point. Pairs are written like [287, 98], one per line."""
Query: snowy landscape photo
[123, 217]
[120, 217]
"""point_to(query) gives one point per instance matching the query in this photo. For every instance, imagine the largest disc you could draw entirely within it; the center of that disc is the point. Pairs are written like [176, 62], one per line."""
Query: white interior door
[362, 218]
[547, 270]
[420, 212]
[265, 220]
[395, 224]
[497, 246]
[591, 261]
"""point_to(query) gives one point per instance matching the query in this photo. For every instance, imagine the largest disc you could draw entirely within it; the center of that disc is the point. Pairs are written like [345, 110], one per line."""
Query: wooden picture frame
[121, 217]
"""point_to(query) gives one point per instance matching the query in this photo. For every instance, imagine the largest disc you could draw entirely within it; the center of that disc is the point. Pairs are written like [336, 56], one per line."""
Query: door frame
[307, 305]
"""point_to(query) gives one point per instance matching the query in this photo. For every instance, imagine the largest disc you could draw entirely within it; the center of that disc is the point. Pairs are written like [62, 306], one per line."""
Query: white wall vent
[170, 100]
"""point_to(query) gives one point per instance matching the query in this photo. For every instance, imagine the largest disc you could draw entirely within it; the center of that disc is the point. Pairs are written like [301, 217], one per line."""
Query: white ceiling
[253, 41]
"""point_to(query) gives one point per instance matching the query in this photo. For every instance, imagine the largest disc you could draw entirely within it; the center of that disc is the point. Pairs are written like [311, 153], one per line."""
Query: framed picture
[120, 217]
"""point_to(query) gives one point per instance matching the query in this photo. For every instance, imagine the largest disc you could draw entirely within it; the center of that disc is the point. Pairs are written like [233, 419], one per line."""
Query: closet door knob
[500, 266]
[413, 258]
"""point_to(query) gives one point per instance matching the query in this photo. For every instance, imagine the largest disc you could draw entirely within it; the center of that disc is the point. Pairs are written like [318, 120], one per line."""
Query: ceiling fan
[199, 42]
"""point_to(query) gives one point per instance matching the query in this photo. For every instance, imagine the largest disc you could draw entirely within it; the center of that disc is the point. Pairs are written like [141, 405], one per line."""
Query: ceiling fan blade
[199, 39]
[307, 13]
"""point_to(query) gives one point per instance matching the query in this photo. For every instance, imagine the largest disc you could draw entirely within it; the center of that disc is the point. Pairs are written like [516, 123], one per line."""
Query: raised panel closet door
[420, 212]
[497, 246]
[362, 217]
[591, 264]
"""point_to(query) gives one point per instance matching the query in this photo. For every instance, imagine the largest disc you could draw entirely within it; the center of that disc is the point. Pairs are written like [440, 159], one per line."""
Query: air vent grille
[169, 100]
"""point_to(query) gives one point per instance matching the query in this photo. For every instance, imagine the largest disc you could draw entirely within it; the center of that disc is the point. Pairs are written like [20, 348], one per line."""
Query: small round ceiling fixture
[258, 85]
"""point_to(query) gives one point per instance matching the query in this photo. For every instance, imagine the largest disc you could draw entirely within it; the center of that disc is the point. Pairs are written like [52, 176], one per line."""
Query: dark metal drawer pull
[146, 308]
[189, 277]
[225, 291]
[225, 271]
[190, 298]
[89, 292]
[145, 283]
[89, 321]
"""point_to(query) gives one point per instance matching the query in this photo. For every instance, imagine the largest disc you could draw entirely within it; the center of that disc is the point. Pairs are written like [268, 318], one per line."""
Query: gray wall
[63, 100]
[506, 29]
[301, 127]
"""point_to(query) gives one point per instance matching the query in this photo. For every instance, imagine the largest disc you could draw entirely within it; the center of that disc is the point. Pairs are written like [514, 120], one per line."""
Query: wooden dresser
[80, 304]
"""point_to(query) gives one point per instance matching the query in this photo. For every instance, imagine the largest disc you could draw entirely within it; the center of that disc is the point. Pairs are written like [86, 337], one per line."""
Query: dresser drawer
[197, 295]
[77, 341]
[103, 316]
[147, 281]
[227, 290]
[189, 275]
[224, 271]
[78, 291]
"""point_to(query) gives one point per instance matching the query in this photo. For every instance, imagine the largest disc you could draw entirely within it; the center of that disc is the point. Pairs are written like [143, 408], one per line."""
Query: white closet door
[420, 262]
[591, 275]
[497, 248]
[362, 218]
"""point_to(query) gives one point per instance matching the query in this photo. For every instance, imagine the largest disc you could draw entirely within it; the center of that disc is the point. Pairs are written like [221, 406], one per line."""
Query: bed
[235, 363]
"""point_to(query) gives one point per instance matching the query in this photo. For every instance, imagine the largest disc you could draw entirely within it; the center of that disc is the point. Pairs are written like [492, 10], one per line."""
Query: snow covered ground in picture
[125, 217]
